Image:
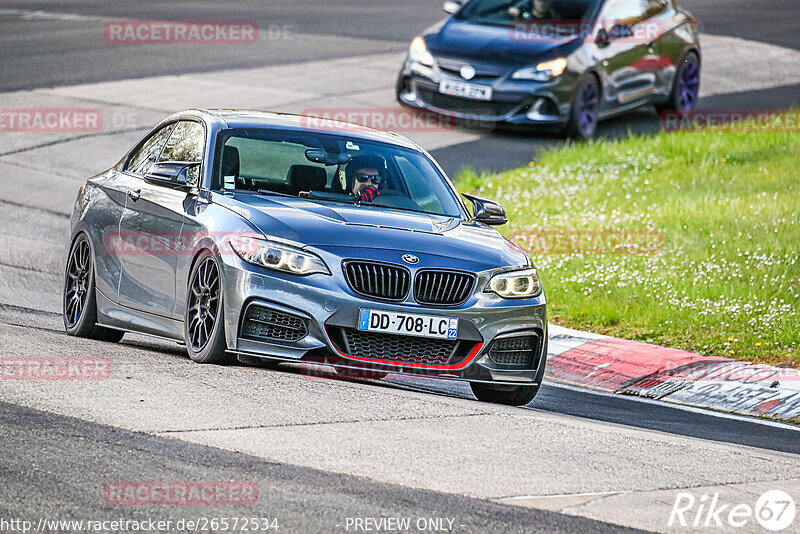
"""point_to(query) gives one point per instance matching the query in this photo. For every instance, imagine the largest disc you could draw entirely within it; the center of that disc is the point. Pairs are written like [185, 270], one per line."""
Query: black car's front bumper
[303, 319]
[521, 102]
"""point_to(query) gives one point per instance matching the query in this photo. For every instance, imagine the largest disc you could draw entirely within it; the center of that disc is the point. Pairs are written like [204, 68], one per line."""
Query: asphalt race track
[322, 450]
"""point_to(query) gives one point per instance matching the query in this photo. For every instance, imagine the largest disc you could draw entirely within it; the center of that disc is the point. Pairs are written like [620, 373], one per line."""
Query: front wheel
[510, 395]
[80, 303]
[584, 113]
[204, 325]
[686, 87]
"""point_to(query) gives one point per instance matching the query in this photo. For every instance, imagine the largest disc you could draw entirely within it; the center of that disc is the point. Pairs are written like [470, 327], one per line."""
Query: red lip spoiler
[455, 367]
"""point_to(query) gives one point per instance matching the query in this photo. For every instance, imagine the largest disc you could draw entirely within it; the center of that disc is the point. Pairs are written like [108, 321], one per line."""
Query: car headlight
[516, 284]
[418, 52]
[277, 256]
[543, 71]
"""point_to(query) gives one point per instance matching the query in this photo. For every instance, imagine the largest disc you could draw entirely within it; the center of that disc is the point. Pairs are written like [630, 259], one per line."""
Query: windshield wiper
[276, 193]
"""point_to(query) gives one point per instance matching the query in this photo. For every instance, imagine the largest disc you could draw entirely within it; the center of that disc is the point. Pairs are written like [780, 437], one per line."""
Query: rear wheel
[204, 327]
[583, 116]
[686, 88]
[80, 303]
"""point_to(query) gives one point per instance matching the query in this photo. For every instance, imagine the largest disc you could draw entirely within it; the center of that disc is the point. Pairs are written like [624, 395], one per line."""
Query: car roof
[242, 118]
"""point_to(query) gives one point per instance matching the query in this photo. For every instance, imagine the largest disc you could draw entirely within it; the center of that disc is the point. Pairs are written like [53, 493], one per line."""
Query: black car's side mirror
[602, 39]
[617, 31]
[171, 174]
[487, 211]
[451, 6]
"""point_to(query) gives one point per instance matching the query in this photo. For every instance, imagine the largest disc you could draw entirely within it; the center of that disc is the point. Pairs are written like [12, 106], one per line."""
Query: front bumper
[326, 305]
[519, 102]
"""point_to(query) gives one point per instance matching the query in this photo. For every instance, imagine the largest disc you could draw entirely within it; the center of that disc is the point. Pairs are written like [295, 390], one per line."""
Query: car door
[152, 224]
[656, 29]
[107, 206]
[670, 45]
[622, 52]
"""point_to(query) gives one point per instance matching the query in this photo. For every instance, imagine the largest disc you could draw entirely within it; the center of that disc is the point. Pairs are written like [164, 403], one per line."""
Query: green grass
[725, 278]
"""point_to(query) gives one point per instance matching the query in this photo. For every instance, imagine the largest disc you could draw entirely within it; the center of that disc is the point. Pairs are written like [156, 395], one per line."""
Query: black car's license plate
[409, 324]
[465, 90]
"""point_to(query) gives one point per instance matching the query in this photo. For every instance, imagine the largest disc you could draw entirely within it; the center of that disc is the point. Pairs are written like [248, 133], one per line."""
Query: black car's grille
[443, 288]
[398, 348]
[264, 324]
[478, 78]
[522, 351]
[378, 280]
[465, 106]
[482, 72]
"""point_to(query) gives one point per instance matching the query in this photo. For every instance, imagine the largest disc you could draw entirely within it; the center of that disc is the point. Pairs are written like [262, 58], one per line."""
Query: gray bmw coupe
[288, 239]
[559, 64]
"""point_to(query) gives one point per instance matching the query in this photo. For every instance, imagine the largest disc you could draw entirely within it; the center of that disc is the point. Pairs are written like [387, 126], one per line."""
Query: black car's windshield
[508, 12]
[329, 167]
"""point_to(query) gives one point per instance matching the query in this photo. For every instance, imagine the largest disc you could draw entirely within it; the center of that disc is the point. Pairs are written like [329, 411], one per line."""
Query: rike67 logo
[774, 510]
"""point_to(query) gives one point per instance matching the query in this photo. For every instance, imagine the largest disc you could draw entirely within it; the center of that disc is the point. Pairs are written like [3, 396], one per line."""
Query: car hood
[500, 46]
[335, 226]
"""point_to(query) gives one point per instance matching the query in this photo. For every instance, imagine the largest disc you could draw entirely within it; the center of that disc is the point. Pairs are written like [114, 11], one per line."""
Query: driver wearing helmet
[533, 10]
[365, 174]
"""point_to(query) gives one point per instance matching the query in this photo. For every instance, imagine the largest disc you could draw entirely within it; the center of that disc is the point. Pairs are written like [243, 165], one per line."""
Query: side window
[624, 12]
[148, 153]
[185, 145]
[654, 8]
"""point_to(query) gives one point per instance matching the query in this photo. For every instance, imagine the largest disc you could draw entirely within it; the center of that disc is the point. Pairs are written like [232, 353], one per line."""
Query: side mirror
[171, 174]
[451, 6]
[487, 211]
[602, 40]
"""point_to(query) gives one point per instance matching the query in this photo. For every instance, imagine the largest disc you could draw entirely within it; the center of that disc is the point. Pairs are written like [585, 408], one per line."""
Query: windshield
[508, 12]
[330, 168]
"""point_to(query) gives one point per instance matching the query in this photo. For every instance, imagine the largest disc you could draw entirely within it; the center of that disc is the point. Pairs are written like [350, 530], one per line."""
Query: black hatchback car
[564, 64]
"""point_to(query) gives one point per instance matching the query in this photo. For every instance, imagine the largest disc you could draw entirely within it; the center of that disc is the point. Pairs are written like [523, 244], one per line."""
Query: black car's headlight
[516, 284]
[543, 71]
[418, 52]
[278, 256]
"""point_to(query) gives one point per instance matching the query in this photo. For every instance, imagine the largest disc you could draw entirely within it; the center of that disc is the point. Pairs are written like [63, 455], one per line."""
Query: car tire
[583, 114]
[510, 395]
[685, 87]
[204, 324]
[79, 303]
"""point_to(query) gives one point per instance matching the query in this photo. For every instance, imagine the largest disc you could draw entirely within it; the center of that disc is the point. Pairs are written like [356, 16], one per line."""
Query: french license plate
[408, 324]
[465, 90]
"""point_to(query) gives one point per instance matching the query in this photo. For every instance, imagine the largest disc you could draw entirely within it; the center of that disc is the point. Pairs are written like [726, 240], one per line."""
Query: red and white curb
[634, 368]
